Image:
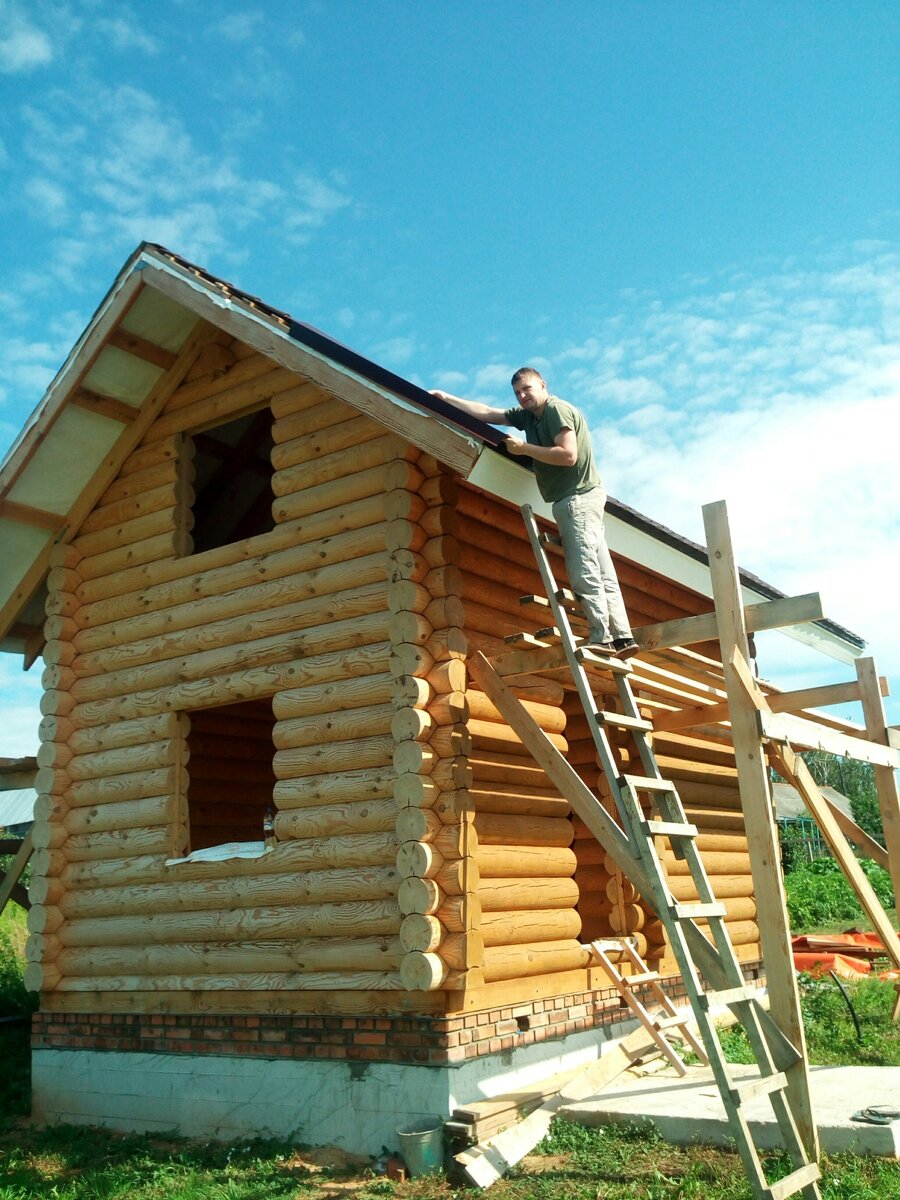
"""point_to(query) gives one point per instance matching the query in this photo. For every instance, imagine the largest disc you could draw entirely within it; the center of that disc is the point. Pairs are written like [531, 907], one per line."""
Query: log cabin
[292, 870]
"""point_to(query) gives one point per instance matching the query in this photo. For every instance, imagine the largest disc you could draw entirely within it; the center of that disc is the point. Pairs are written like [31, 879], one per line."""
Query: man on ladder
[557, 439]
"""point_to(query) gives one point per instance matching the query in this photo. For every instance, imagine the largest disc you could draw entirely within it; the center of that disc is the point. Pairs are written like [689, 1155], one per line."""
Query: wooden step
[697, 912]
[671, 829]
[743, 1090]
[673, 1022]
[620, 721]
[793, 1183]
[524, 639]
[616, 665]
[534, 599]
[646, 783]
[641, 977]
[729, 996]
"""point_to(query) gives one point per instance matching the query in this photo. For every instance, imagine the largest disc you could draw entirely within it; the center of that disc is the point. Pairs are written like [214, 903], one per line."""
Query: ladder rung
[673, 1022]
[540, 601]
[549, 631]
[728, 996]
[793, 1183]
[747, 1089]
[672, 829]
[527, 638]
[620, 721]
[641, 978]
[698, 912]
[611, 664]
[646, 783]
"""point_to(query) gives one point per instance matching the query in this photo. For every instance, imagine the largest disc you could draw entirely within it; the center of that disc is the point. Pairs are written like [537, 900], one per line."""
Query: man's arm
[496, 416]
[563, 452]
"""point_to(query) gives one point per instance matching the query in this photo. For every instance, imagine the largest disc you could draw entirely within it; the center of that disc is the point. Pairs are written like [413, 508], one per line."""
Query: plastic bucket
[422, 1146]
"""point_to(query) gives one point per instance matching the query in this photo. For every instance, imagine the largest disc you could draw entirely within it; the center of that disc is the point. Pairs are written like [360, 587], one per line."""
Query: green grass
[573, 1163]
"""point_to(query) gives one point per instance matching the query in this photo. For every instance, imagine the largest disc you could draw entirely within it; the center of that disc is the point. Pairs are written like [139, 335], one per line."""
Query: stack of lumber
[481, 1119]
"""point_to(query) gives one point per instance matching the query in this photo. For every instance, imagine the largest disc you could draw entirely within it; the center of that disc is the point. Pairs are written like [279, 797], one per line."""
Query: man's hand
[517, 447]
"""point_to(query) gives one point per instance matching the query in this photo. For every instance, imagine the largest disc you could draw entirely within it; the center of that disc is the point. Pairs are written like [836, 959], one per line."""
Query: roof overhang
[148, 331]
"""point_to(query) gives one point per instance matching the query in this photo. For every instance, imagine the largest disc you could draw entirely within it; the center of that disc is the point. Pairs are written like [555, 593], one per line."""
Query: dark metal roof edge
[322, 343]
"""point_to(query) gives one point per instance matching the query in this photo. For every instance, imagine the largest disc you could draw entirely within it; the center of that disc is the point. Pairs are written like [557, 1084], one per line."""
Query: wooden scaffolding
[646, 812]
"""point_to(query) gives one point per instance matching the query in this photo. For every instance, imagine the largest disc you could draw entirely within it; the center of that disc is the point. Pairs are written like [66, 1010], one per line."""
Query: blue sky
[686, 213]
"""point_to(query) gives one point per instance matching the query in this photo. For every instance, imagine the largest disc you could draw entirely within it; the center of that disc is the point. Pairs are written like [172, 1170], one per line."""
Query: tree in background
[853, 779]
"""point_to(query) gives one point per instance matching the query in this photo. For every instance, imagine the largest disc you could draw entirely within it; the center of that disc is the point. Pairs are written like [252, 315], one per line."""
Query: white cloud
[239, 27]
[23, 47]
[777, 393]
[132, 171]
[49, 198]
[125, 33]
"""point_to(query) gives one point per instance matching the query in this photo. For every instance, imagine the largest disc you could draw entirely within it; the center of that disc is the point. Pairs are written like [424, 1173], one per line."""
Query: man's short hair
[526, 373]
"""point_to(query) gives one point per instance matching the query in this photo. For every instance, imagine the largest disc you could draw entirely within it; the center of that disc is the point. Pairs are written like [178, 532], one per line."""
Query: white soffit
[65, 461]
[122, 376]
[18, 544]
[513, 482]
[159, 320]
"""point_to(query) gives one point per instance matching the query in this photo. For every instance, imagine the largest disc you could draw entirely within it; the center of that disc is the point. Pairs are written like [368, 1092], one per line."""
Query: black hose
[846, 996]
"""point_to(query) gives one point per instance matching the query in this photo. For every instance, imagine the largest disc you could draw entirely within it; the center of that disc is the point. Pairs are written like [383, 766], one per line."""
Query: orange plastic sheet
[850, 955]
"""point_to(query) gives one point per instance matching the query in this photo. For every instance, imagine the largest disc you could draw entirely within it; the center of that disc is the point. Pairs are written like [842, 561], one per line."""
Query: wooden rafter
[26, 514]
[106, 406]
[141, 348]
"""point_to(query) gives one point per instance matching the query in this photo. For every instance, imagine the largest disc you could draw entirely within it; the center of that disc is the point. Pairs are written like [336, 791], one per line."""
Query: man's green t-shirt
[556, 483]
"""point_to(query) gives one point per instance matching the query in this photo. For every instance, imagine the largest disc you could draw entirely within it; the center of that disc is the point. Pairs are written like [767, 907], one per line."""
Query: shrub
[818, 894]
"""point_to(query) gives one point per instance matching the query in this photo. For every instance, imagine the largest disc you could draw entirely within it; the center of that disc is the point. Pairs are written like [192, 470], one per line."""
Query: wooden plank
[790, 702]
[794, 769]
[486, 1163]
[867, 846]
[9, 882]
[797, 731]
[885, 779]
[762, 835]
[770, 614]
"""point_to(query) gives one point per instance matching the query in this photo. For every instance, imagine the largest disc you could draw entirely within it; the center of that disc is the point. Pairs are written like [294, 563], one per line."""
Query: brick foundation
[419, 1040]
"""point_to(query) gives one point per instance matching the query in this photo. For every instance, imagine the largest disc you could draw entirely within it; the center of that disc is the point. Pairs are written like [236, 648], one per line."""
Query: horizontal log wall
[142, 754]
[527, 890]
[498, 567]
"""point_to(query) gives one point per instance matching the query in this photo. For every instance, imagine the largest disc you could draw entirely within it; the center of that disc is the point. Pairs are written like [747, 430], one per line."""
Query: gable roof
[154, 321]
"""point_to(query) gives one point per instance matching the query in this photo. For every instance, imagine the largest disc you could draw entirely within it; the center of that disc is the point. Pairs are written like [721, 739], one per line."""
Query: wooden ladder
[665, 1021]
[649, 808]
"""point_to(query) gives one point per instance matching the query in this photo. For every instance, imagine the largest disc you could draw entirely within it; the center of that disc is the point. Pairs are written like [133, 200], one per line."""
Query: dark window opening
[233, 481]
[230, 772]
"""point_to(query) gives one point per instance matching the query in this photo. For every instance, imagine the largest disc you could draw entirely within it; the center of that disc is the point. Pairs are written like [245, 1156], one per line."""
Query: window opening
[230, 773]
[233, 481]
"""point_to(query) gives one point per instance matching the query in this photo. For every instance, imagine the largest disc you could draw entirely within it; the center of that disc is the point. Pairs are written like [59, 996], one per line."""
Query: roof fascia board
[449, 445]
[503, 477]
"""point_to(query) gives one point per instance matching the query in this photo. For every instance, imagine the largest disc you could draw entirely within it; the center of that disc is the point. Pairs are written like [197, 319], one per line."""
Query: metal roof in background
[17, 807]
